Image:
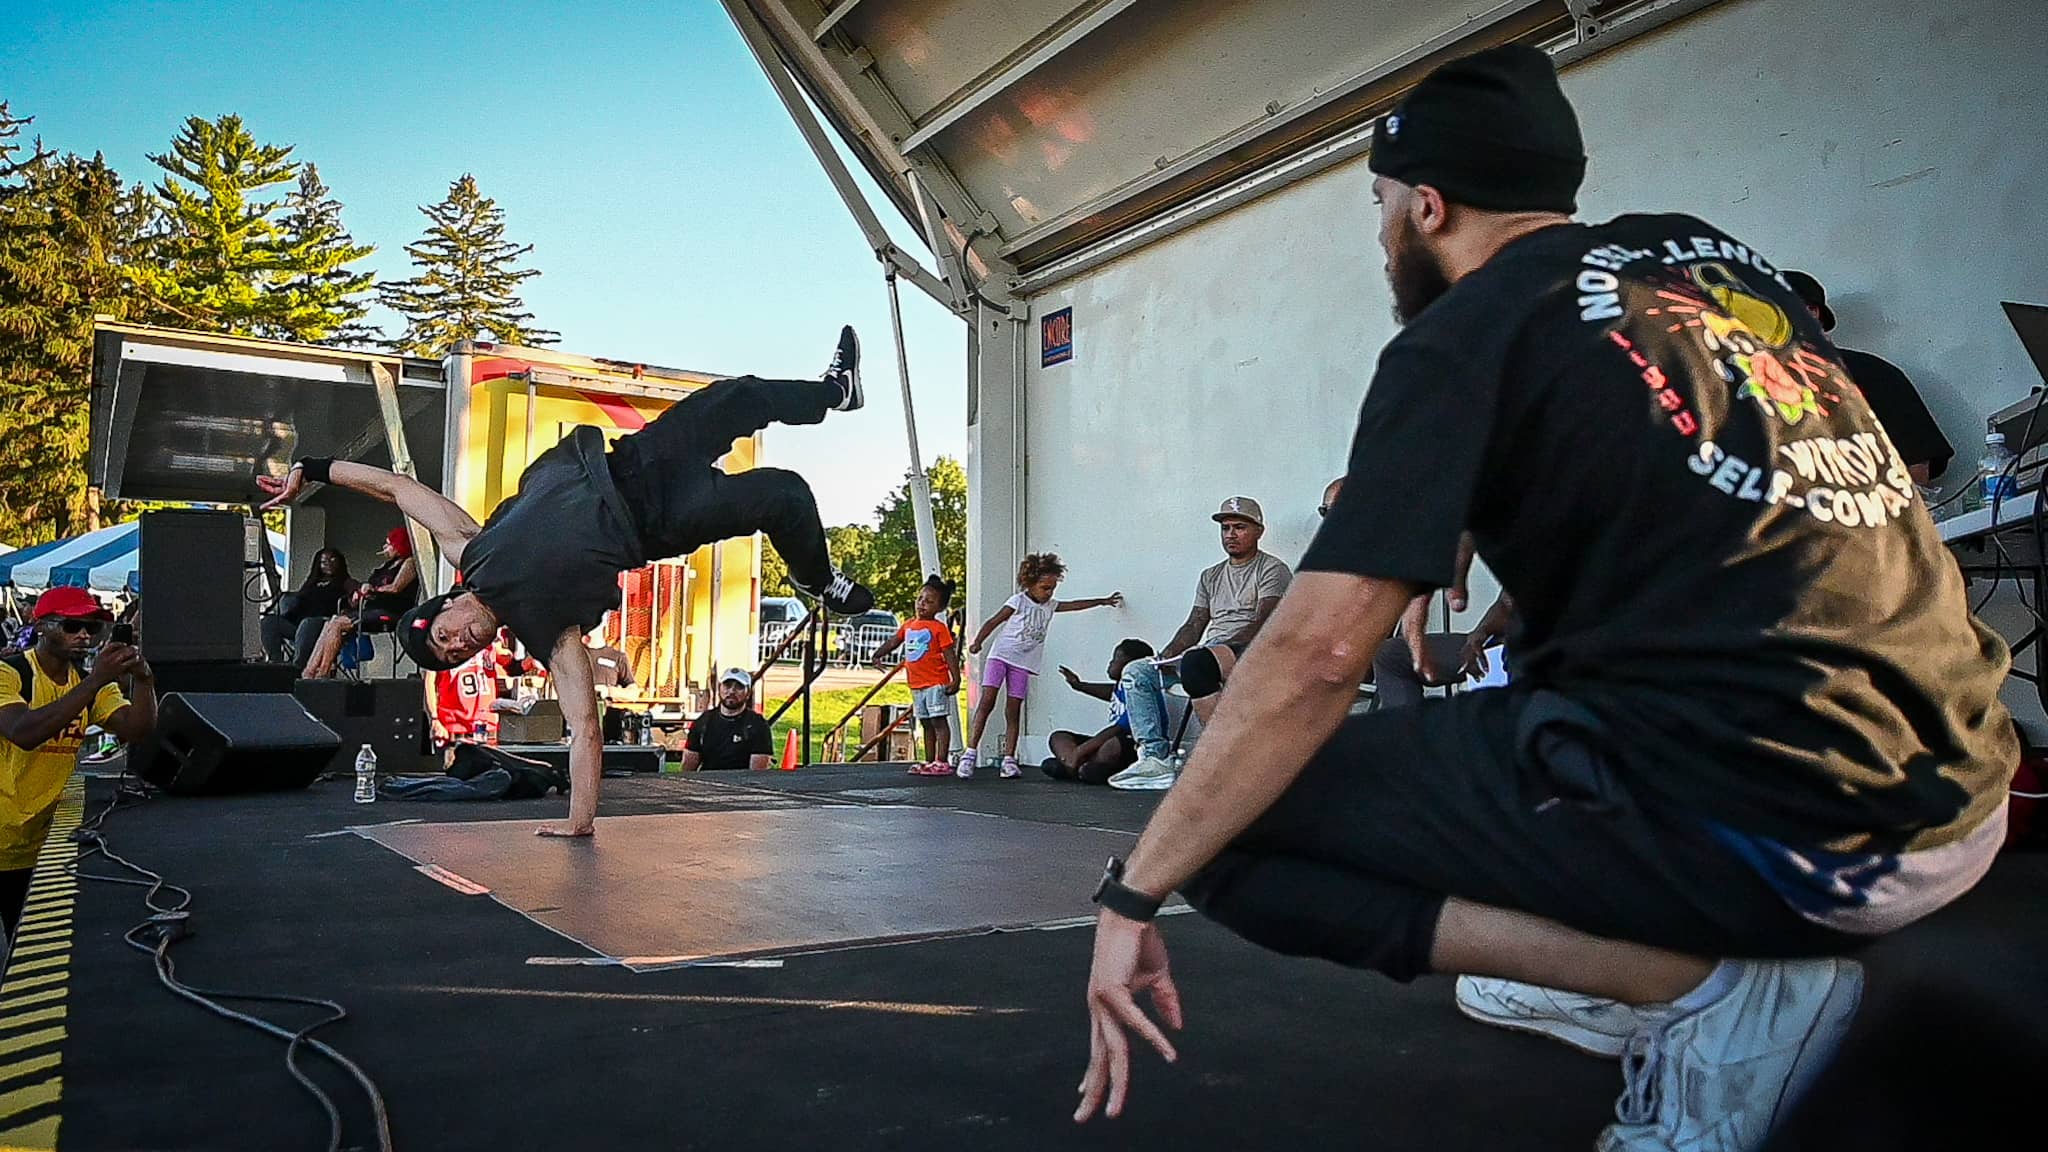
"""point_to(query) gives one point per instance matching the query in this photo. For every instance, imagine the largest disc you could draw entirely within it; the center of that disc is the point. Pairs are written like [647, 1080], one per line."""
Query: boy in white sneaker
[1752, 715]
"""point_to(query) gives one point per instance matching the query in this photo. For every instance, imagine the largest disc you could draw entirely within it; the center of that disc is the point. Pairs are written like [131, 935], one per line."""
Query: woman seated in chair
[375, 607]
[301, 615]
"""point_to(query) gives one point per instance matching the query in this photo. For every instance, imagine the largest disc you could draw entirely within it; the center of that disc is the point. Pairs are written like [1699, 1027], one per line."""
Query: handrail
[857, 757]
[788, 638]
[813, 668]
[855, 710]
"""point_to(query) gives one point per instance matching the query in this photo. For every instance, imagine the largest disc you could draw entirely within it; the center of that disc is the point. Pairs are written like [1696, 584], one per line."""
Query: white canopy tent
[106, 561]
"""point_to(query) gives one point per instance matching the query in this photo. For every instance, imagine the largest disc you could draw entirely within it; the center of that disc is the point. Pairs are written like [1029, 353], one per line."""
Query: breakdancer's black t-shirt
[549, 558]
[1711, 542]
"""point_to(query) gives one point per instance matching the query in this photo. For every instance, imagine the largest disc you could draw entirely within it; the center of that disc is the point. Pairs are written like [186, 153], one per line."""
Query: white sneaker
[1721, 1078]
[966, 769]
[1588, 1023]
[1149, 774]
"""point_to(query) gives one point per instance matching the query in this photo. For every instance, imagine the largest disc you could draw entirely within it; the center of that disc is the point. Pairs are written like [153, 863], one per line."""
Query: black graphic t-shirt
[1711, 542]
[728, 742]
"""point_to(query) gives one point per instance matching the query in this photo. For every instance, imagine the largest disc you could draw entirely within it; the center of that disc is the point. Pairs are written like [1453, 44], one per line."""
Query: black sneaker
[845, 596]
[845, 371]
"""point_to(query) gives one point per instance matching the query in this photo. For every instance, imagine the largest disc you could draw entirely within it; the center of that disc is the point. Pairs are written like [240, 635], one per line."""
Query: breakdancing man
[547, 562]
[1753, 722]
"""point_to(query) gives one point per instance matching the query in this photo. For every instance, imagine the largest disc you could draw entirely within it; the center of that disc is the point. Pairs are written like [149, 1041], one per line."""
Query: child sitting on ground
[1013, 661]
[1094, 759]
[931, 664]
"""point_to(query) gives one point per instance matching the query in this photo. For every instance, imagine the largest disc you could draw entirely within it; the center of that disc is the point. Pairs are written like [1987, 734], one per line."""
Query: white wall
[1229, 360]
[1894, 148]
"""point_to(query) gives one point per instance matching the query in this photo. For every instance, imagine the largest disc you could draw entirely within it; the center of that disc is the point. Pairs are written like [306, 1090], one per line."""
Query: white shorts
[928, 703]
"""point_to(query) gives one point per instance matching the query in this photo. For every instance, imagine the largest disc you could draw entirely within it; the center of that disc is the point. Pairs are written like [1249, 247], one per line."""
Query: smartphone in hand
[123, 633]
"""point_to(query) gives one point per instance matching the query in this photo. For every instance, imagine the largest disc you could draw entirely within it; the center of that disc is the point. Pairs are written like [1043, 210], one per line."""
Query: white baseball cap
[737, 676]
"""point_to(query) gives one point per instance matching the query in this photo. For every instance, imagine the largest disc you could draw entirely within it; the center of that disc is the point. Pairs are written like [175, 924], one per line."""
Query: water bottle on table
[1997, 479]
[366, 775]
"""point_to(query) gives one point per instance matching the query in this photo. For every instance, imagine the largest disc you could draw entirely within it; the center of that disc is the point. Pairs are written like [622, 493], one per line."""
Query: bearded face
[1413, 271]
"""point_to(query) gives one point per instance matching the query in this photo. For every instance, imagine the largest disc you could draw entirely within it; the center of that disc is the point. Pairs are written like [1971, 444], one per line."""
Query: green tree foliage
[884, 557]
[319, 299]
[69, 229]
[467, 286]
[892, 565]
[212, 249]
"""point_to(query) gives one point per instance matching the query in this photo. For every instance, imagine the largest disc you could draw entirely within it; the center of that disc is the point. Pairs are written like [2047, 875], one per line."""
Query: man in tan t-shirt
[1232, 601]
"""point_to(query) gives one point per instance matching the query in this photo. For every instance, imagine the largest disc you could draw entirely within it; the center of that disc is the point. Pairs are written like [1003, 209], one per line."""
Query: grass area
[827, 708]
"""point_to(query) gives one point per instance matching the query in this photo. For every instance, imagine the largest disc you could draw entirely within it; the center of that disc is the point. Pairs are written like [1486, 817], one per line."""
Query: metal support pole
[427, 554]
[920, 485]
[765, 54]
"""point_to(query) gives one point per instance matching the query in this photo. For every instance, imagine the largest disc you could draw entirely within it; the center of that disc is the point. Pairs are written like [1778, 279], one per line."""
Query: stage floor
[675, 888]
[487, 1029]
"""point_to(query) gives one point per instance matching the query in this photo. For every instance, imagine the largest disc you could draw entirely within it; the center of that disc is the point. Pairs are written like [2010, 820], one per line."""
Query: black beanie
[1492, 130]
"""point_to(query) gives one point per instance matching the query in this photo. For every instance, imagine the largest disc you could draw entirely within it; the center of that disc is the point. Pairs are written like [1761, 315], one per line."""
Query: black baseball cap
[1808, 289]
[416, 632]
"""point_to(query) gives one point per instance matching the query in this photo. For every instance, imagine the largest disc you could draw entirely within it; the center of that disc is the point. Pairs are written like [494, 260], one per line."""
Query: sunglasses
[74, 627]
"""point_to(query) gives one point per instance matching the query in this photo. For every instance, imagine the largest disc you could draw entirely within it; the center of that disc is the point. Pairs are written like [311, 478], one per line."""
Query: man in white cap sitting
[732, 735]
[1232, 600]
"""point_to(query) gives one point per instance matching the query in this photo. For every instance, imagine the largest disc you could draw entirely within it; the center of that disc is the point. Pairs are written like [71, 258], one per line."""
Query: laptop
[2030, 321]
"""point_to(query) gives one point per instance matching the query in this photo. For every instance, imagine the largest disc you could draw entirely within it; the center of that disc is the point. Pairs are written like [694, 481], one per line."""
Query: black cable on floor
[167, 924]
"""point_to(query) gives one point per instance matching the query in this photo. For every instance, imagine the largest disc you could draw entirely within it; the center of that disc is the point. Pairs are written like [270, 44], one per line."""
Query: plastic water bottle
[1996, 481]
[366, 775]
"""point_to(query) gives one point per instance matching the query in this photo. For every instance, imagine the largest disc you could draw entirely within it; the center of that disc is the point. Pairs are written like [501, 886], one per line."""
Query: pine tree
[14, 166]
[467, 286]
[68, 229]
[319, 300]
[218, 251]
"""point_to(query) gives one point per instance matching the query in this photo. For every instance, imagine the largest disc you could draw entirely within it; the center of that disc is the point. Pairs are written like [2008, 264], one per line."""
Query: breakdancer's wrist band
[1123, 899]
[315, 467]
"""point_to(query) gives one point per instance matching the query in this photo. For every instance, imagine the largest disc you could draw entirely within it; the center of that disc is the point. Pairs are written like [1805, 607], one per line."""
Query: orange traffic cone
[789, 752]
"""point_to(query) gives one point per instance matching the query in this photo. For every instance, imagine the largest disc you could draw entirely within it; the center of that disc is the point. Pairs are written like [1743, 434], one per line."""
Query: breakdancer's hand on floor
[1130, 957]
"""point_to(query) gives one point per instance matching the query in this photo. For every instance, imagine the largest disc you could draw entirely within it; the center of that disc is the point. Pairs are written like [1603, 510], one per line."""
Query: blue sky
[677, 217]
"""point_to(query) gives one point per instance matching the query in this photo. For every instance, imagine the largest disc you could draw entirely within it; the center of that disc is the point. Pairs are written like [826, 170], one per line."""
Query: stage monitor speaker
[191, 569]
[214, 743]
[388, 715]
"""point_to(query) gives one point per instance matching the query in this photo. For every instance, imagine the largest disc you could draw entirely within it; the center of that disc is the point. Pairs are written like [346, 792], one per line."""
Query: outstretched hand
[282, 492]
[1129, 958]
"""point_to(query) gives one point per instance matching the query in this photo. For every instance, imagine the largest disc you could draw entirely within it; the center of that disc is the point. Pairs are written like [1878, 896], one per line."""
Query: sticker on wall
[1056, 338]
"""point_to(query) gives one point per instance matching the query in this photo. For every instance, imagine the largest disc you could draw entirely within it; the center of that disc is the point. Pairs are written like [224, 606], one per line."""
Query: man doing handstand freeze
[546, 564]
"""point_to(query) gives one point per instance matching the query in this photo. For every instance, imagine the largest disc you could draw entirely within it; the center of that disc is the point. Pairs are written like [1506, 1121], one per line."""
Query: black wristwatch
[1123, 899]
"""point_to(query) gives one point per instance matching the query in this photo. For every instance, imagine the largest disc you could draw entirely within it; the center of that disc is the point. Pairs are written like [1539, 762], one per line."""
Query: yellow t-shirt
[31, 780]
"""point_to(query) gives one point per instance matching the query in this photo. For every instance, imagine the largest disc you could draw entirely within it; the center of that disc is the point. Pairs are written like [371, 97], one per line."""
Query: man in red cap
[47, 700]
